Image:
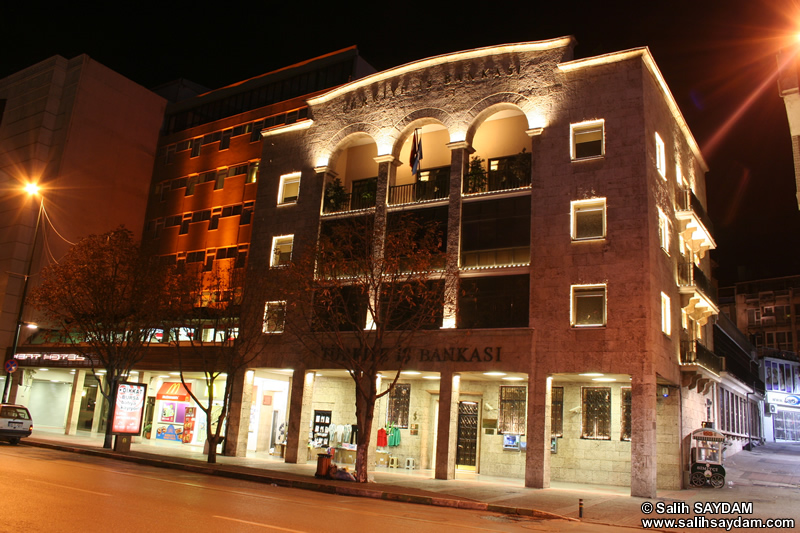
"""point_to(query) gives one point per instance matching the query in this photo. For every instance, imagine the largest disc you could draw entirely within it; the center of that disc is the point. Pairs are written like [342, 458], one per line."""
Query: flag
[416, 153]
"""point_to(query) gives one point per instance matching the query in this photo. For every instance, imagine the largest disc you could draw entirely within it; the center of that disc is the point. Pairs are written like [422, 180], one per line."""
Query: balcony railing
[687, 201]
[694, 353]
[349, 202]
[505, 173]
[435, 188]
[689, 275]
[520, 255]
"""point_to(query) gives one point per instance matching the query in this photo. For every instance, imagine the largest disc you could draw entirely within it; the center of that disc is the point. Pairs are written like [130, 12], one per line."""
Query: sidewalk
[769, 477]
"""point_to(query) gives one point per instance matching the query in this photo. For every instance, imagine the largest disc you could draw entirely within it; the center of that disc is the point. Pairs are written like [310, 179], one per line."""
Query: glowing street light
[32, 189]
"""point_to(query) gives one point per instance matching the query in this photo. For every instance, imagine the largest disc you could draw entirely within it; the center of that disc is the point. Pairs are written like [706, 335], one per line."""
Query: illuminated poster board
[129, 409]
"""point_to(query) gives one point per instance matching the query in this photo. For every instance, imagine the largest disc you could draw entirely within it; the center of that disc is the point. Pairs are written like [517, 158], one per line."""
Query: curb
[330, 488]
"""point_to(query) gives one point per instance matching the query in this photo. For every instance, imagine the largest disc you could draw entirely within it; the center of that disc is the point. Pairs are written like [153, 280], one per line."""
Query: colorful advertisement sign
[169, 432]
[188, 425]
[129, 409]
[167, 411]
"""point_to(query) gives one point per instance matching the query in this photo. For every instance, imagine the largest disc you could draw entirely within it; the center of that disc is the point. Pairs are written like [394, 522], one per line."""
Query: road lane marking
[68, 487]
[259, 524]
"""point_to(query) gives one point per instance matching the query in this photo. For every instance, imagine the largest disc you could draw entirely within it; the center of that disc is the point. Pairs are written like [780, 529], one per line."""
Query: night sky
[717, 57]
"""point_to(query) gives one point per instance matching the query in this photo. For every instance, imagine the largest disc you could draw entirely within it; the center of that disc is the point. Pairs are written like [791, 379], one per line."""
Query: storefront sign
[173, 390]
[129, 409]
[782, 398]
[68, 360]
[442, 354]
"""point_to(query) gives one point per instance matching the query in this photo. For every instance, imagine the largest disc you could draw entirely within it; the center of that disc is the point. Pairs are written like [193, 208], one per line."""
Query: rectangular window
[557, 412]
[661, 157]
[225, 140]
[512, 410]
[196, 145]
[289, 188]
[588, 305]
[282, 250]
[626, 414]
[274, 317]
[220, 181]
[587, 139]
[664, 230]
[170, 156]
[252, 172]
[596, 408]
[588, 219]
[399, 401]
[666, 315]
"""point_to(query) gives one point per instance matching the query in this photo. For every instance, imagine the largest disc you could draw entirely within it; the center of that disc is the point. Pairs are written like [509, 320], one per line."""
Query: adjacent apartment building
[768, 311]
[86, 136]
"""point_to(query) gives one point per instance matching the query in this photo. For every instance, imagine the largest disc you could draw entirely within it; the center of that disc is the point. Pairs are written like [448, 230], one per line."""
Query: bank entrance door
[467, 443]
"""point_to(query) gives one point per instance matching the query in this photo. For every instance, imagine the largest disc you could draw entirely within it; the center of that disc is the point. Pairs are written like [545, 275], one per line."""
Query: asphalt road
[53, 491]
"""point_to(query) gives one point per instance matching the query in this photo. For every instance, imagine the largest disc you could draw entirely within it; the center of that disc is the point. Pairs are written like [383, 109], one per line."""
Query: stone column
[238, 426]
[300, 413]
[643, 436]
[75, 402]
[459, 158]
[537, 460]
[447, 434]
[100, 402]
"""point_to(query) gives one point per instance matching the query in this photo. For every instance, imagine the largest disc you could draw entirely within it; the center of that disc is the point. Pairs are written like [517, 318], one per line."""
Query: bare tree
[361, 298]
[218, 331]
[105, 299]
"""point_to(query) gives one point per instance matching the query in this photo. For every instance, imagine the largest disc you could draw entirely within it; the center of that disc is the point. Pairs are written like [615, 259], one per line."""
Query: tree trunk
[108, 442]
[365, 412]
[212, 448]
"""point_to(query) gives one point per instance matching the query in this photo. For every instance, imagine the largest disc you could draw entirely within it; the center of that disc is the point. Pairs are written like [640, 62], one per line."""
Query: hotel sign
[70, 360]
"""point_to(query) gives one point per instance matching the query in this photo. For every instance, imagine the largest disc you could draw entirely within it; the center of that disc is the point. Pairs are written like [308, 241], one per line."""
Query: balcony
[499, 257]
[432, 185]
[699, 365]
[505, 173]
[700, 296]
[695, 224]
[337, 200]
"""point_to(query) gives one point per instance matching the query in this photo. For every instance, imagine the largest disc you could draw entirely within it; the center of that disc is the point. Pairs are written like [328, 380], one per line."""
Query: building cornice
[535, 46]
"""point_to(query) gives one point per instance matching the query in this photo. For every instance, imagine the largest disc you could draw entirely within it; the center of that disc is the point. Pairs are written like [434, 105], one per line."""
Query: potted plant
[147, 429]
[476, 176]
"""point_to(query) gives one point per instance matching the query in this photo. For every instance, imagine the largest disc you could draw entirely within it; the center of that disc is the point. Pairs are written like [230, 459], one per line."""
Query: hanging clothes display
[381, 438]
[394, 436]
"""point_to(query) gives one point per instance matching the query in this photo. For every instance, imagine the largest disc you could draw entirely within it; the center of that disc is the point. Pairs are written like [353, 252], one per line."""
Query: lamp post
[32, 189]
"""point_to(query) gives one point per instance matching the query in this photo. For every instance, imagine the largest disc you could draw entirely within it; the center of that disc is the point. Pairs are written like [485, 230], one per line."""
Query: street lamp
[32, 189]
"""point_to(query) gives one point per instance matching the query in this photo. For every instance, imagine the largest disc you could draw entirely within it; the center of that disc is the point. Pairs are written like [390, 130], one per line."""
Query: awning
[174, 391]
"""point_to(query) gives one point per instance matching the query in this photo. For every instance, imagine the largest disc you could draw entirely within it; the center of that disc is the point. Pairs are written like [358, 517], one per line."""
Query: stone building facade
[575, 340]
[591, 305]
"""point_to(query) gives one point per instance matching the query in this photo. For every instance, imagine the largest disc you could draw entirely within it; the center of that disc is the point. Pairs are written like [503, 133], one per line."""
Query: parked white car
[15, 422]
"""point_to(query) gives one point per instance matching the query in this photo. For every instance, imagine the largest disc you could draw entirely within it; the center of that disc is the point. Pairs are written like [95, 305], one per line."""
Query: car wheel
[14, 441]
[717, 481]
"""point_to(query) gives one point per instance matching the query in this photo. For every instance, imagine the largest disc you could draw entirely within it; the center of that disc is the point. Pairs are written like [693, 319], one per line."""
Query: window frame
[603, 410]
[666, 315]
[661, 156]
[512, 411]
[586, 206]
[583, 128]
[289, 179]
[280, 240]
[556, 411]
[274, 321]
[664, 231]
[398, 406]
[626, 411]
[580, 291]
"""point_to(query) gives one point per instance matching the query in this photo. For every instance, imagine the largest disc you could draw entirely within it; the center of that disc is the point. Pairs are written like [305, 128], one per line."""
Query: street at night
[45, 490]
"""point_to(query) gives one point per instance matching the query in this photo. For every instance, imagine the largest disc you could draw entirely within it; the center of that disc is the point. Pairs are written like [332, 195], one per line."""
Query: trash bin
[323, 464]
